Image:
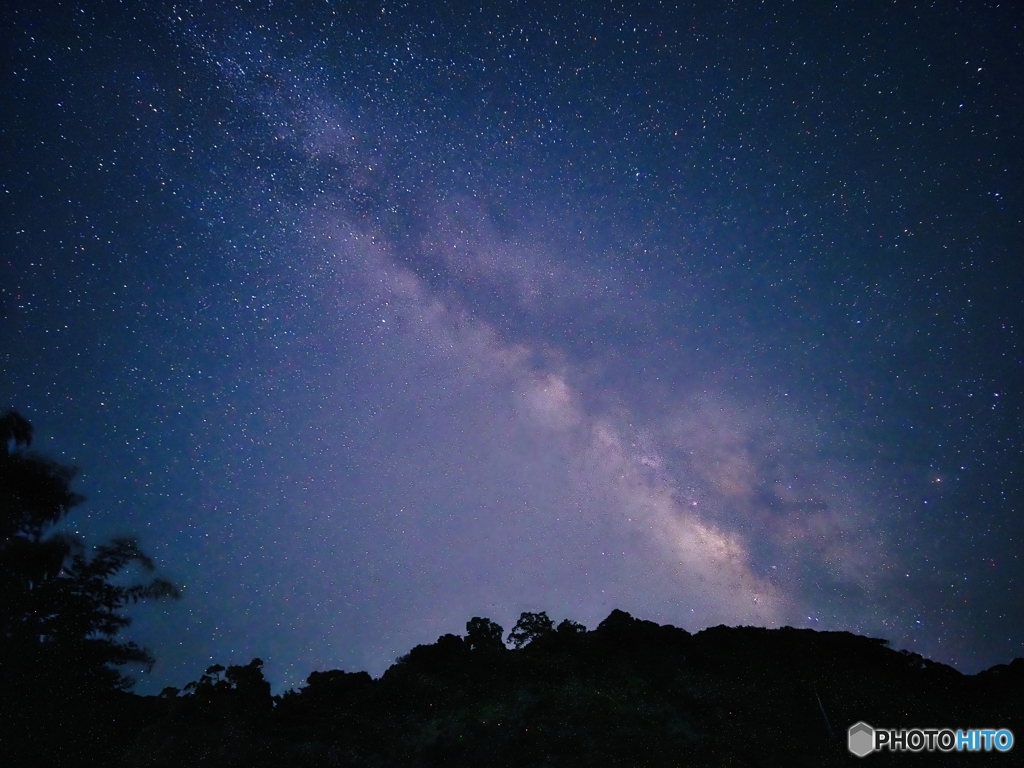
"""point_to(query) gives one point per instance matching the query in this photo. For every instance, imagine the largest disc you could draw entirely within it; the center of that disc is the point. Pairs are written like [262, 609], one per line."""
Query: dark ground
[630, 693]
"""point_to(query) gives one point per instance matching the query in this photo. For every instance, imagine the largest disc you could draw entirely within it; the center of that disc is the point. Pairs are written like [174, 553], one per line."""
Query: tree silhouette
[219, 720]
[61, 611]
[529, 627]
[483, 634]
[240, 689]
[570, 628]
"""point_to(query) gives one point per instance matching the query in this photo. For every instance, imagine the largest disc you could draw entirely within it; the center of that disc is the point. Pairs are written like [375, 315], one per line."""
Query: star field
[370, 318]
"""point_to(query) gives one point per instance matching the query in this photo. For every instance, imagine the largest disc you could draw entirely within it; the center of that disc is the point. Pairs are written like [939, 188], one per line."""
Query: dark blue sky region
[370, 318]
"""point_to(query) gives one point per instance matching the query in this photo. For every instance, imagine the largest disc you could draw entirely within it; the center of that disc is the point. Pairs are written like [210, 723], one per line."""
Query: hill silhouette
[629, 693]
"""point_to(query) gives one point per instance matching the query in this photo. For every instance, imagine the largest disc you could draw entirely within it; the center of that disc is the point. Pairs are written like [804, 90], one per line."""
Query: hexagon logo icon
[860, 739]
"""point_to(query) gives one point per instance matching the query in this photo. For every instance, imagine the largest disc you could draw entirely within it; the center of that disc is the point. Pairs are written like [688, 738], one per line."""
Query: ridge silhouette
[628, 693]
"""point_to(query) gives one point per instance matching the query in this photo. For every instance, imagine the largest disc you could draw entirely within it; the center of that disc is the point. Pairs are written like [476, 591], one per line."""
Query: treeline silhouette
[628, 693]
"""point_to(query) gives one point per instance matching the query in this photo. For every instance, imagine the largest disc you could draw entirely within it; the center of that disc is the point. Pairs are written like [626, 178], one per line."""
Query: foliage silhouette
[530, 627]
[218, 720]
[483, 635]
[568, 627]
[61, 610]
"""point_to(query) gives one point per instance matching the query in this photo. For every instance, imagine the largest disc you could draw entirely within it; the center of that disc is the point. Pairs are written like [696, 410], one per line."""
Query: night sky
[370, 318]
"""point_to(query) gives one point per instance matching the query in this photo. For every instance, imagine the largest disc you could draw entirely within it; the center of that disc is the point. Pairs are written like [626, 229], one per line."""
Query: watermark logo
[863, 739]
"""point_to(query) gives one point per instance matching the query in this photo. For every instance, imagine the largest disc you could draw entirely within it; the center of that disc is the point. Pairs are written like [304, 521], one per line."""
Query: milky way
[370, 321]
